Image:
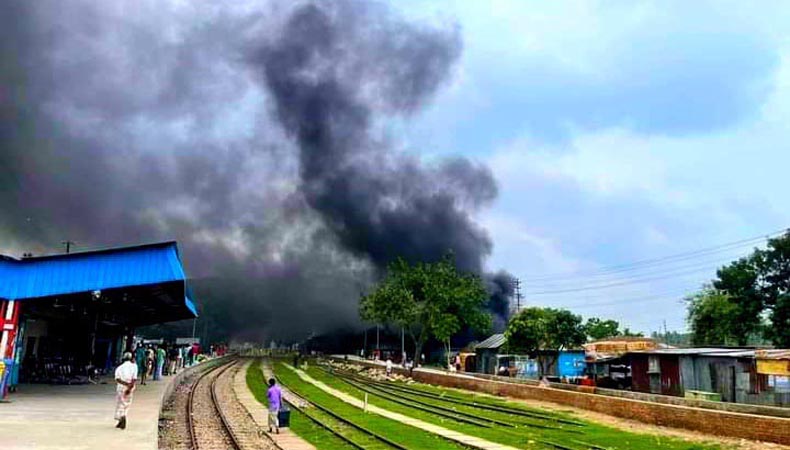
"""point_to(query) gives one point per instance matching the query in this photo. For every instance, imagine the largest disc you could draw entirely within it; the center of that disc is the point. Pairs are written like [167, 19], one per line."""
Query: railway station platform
[79, 417]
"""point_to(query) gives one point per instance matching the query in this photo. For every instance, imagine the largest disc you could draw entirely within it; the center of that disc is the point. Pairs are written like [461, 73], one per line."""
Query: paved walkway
[287, 440]
[435, 429]
[79, 417]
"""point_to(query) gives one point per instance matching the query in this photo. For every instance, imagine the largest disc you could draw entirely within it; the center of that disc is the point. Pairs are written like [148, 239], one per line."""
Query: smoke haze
[251, 133]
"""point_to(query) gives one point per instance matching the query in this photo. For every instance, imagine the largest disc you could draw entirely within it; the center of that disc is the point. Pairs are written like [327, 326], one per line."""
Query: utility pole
[68, 245]
[517, 292]
[402, 347]
[377, 340]
[666, 334]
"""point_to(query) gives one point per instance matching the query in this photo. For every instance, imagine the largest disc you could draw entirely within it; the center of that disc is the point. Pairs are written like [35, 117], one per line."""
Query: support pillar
[9, 322]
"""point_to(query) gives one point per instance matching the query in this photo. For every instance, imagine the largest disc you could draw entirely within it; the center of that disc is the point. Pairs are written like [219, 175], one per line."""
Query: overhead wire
[639, 264]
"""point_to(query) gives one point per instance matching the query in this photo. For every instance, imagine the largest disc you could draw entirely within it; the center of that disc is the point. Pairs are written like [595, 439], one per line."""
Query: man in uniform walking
[126, 379]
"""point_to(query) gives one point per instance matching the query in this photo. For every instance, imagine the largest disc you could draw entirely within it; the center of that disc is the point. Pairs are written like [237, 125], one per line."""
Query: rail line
[387, 442]
[228, 437]
[393, 389]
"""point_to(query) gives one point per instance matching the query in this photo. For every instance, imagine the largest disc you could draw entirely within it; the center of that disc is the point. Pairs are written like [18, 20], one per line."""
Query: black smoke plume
[254, 135]
[330, 71]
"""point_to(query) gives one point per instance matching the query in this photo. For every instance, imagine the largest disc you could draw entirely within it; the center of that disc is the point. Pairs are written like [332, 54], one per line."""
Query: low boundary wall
[716, 422]
[762, 410]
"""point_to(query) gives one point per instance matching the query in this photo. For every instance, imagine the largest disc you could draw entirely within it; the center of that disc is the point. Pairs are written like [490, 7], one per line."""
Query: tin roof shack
[487, 352]
[607, 362]
[728, 374]
[491, 354]
[773, 372]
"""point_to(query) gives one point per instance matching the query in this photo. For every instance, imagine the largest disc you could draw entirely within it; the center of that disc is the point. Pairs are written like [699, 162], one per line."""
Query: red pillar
[9, 323]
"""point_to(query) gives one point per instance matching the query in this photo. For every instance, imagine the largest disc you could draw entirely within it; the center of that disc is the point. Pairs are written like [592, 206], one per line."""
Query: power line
[666, 259]
[709, 265]
[620, 283]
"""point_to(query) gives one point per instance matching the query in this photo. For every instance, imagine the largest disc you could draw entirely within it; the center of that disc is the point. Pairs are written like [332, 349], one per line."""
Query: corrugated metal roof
[72, 273]
[703, 351]
[494, 341]
[773, 354]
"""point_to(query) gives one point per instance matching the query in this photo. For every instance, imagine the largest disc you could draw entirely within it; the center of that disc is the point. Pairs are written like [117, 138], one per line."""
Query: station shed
[67, 316]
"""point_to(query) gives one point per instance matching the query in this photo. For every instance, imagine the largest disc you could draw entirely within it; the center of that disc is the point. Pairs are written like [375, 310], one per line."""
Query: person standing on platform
[172, 357]
[275, 395]
[149, 361]
[389, 367]
[160, 362]
[126, 379]
[139, 356]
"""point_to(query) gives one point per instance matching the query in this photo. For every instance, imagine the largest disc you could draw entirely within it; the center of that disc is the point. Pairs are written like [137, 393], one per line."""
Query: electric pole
[68, 245]
[517, 292]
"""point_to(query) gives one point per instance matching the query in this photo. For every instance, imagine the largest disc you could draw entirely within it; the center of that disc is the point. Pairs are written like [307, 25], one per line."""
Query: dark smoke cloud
[247, 133]
[330, 71]
[500, 287]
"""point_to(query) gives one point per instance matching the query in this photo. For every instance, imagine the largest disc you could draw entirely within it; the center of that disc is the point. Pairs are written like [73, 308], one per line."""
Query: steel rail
[190, 406]
[451, 399]
[222, 416]
[345, 421]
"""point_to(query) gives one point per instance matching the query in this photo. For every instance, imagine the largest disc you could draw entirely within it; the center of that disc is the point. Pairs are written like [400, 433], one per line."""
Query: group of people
[156, 361]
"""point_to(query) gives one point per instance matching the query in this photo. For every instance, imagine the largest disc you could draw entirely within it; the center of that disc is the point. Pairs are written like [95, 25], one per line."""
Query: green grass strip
[300, 425]
[406, 435]
[592, 434]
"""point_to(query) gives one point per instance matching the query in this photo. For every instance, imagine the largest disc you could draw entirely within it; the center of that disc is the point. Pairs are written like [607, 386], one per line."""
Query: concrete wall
[718, 422]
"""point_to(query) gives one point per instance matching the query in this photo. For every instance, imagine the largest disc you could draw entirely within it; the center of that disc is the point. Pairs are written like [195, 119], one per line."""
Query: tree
[428, 300]
[596, 328]
[773, 265]
[535, 329]
[739, 281]
[712, 316]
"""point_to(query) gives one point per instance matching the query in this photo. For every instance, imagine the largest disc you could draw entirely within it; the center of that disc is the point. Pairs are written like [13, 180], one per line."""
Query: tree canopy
[428, 300]
[596, 328]
[733, 308]
[534, 329]
[712, 315]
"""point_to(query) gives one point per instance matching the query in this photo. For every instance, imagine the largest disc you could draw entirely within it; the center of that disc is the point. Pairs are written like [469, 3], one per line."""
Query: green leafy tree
[739, 280]
[596, 328]
[428, 300]
[535, 329]
[628, 333]
[773, 265]
[712, 316]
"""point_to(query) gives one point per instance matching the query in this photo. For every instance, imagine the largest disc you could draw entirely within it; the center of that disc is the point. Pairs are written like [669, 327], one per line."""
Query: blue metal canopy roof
[91, 271]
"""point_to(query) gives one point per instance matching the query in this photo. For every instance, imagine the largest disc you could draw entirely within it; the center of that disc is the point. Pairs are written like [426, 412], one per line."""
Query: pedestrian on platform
[389, 366]
[149, 361]
[160, 362]
[172, 357]
[139, 356]
[275, 395]
[126, 379]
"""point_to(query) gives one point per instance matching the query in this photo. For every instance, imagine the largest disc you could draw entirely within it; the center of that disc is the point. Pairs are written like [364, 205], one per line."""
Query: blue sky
[618, 131]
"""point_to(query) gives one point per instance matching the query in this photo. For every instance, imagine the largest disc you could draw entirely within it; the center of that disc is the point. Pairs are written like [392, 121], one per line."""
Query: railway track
[216, 420]
[413, 396]
[341, 427]
[430, 402]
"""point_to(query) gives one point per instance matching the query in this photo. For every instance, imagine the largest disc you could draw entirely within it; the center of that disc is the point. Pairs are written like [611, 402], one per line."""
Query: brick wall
[723, 423]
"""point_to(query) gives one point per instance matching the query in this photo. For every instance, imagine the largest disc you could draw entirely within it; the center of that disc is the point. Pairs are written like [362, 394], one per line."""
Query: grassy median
[402, 434]
[300, 425]
[531, 433]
